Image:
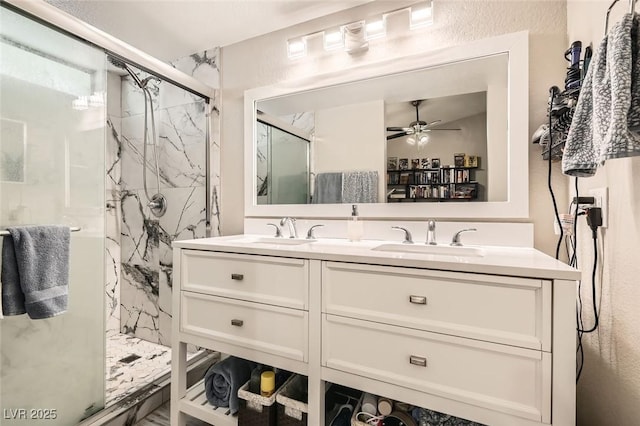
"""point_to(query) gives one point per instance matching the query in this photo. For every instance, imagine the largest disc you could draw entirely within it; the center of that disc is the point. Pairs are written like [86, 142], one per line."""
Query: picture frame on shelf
[471, 161]
[392, 163]
[425, 163]
[415, 163]
[459, 160]
[435, 163]
[403, 164]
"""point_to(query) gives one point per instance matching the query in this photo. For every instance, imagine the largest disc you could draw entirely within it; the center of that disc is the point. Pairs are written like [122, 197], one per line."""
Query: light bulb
[333, 39]
[421, 17]
[423, 139]
[411, 140]
[375, 29]
[296, 48]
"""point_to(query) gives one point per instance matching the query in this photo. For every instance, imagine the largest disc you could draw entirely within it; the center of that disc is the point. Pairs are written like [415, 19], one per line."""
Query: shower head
[117, 62]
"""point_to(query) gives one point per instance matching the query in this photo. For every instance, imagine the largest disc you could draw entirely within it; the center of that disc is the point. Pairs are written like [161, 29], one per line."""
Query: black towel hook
[632, 10]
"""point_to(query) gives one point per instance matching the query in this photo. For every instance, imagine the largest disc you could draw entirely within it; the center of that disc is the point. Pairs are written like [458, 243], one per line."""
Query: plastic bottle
[267, 383]
[355, 227]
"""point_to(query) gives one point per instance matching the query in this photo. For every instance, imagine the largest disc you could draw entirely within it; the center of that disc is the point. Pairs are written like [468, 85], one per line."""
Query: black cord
[553, 197]
[581, 330]
[593, 287]
[574, 259]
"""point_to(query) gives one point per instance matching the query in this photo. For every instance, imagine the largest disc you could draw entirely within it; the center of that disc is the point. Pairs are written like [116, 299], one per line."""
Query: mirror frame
[516, 45]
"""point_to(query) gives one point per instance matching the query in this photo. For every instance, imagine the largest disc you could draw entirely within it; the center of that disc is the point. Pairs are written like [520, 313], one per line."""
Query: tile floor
[124, 378]
[160, 417]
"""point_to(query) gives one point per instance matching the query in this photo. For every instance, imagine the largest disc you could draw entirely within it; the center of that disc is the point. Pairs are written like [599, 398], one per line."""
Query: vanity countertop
[511, 261]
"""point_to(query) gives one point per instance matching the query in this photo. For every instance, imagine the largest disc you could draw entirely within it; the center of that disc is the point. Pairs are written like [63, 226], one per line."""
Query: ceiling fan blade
[397, 135]
[431, 123]
[399, 129]
[435, 130]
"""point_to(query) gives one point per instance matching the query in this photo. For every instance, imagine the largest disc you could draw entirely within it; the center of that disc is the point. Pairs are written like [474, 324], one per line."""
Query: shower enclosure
[78, 148]
[282, 165]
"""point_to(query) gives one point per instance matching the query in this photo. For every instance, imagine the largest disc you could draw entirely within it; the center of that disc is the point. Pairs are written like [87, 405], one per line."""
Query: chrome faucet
[310, 235]
[455, 241]
[408, 239]
[278, 231]
[293, 232]
[431, 233]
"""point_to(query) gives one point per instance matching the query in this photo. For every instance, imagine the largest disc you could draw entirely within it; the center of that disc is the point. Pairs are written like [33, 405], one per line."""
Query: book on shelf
[398, 193]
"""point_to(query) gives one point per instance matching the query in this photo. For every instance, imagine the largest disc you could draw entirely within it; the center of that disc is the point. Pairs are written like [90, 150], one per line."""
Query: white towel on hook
[607, 115]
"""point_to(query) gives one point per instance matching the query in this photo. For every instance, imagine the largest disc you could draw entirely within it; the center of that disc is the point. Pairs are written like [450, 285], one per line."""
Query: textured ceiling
[169, 29]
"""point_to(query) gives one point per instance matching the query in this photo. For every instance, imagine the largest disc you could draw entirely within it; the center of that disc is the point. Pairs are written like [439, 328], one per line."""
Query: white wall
[351, 138]
[609, 389]
[497, 131]
[456, 22]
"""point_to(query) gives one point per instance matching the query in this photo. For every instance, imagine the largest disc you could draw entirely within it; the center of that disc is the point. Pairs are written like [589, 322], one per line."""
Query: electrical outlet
[601, 196]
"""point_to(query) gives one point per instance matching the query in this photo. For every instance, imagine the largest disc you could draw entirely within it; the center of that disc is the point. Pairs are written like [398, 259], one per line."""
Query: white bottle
[355, 227]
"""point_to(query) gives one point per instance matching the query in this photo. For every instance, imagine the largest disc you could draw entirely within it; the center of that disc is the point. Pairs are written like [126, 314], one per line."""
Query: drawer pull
[418, 360]
[418, 300]
[237, 277]
[237, 322]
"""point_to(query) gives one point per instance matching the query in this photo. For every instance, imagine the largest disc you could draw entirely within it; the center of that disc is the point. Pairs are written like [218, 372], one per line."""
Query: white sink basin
[283, 241]
[429, 249]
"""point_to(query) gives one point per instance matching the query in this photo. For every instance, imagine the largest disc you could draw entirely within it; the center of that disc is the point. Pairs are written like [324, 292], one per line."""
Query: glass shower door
[52, 145]
[282, 166]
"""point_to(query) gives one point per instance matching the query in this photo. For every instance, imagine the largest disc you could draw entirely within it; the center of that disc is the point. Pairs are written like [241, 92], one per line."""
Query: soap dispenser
[355, 227]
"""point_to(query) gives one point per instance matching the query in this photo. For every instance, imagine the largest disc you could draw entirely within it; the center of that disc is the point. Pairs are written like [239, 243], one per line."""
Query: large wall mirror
[441, 134]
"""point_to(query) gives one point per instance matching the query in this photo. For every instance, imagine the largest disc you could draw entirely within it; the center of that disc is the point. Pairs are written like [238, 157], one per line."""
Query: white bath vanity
[487, 335]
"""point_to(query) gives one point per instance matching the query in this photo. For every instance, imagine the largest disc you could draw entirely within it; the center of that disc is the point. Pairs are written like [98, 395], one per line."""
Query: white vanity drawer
[271, 329]
[504, 378]
[508, 310]
[273, 280]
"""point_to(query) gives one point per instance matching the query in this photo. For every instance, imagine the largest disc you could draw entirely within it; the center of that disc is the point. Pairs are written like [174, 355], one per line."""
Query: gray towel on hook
[607, 115]
[328, 188]
[35, 271]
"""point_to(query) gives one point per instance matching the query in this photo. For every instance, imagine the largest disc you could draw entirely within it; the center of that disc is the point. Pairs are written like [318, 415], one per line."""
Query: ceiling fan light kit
[418, 131]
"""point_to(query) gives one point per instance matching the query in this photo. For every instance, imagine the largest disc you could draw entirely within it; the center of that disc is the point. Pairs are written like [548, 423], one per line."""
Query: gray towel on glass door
[222, 381]
[607, 115]
[360, 187]
[328, 189]
[35, 271]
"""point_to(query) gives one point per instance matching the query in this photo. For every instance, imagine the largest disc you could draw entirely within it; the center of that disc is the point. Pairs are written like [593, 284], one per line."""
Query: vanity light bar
[340, 38]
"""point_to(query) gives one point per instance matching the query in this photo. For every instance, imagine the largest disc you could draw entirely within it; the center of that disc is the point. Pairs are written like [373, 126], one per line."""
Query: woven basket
[258, 410]
[291, 412]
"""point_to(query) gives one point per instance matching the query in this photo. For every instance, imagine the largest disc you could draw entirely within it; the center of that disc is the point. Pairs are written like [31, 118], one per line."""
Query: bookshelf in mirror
[432, 184]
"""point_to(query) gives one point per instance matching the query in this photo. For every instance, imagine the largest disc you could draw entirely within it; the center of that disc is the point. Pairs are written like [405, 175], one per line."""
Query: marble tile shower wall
[145, 264]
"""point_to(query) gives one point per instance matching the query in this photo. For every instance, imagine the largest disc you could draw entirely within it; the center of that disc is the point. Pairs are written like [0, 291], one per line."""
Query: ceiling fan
[417, 131]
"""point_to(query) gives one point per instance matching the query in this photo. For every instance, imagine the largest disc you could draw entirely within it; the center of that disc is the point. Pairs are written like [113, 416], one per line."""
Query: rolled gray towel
[35, 271]
[222, 381]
